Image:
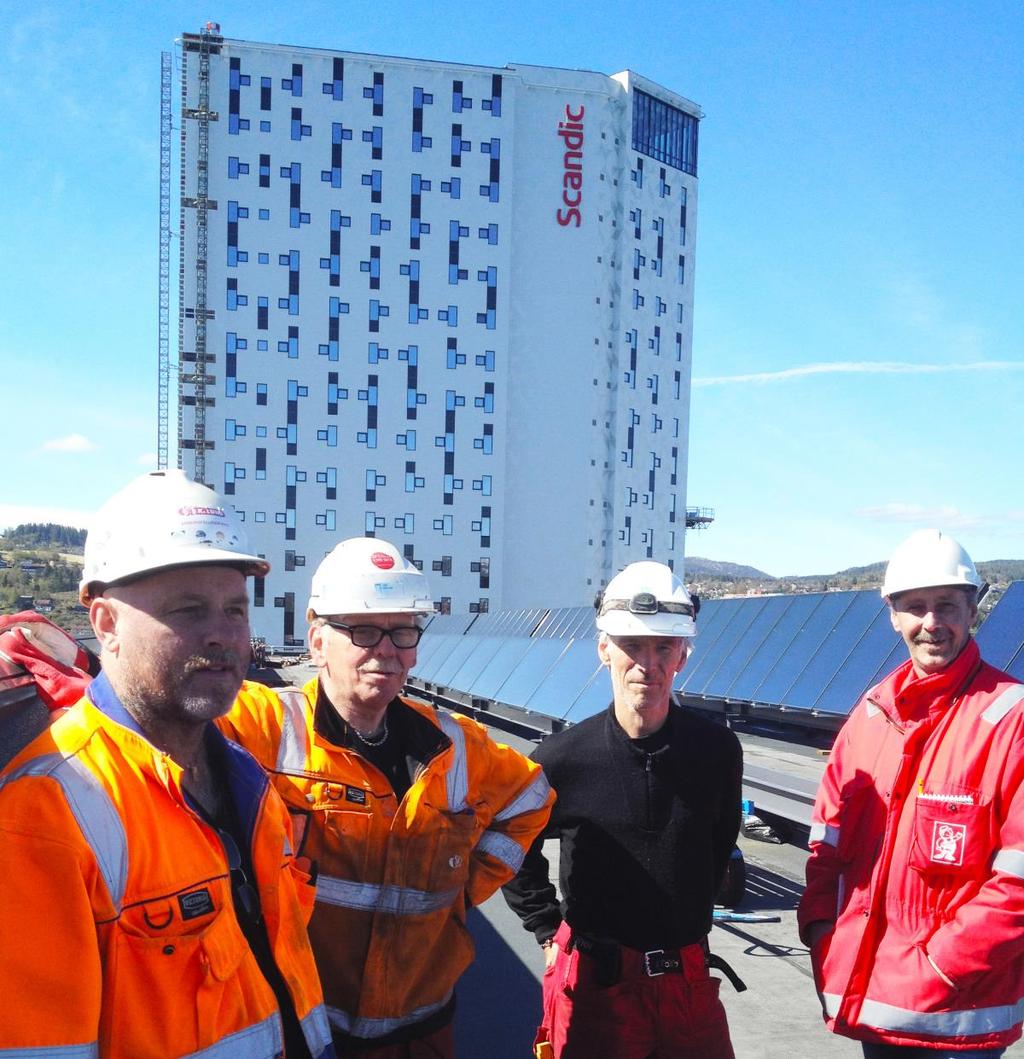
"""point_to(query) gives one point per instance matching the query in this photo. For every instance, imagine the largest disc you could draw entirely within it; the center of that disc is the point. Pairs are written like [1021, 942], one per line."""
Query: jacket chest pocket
[153, 970]
[343, 839]
[952, 834]
[444, 850]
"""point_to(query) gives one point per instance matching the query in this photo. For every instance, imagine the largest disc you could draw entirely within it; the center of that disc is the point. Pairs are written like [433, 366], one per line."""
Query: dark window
[664, 132]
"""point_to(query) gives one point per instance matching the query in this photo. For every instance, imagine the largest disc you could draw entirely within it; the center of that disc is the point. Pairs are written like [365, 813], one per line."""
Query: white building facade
[445, 305]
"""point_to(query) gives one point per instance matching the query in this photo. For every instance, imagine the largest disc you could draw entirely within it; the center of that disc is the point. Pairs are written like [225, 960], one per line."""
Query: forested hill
[43, 535]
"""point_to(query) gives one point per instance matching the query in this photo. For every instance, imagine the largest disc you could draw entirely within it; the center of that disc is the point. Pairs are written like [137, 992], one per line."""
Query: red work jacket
[917, 856]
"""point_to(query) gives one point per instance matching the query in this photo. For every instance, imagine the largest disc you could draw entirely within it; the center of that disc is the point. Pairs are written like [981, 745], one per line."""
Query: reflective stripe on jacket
[394, 878]
[917, 855]
[116, 913]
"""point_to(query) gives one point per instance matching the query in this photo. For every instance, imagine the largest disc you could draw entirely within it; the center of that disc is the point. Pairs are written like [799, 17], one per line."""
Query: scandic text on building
[571, 131]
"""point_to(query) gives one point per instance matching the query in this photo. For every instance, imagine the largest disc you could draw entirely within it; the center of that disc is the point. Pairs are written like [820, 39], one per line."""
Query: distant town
[40, 566]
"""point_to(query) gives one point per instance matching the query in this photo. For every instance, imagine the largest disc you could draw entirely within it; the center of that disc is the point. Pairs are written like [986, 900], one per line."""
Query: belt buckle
[654, 954]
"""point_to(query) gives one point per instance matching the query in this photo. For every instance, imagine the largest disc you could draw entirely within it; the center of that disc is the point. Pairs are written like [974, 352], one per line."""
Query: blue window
[664, 132]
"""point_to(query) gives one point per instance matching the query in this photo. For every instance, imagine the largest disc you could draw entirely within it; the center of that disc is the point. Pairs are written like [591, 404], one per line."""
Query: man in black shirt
[647, 814]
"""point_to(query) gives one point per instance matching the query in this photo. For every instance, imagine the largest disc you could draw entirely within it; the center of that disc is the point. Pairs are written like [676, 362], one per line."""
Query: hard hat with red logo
[929, 559]
[646, 599]
[160, 520]
[364, 575]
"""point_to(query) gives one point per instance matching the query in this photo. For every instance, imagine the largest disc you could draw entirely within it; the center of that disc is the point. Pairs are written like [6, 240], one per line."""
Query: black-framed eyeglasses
[247, 900]
[402, 636]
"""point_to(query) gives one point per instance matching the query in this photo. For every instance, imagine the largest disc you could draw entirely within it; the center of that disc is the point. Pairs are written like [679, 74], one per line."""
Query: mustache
[196, 663]
[376, 667]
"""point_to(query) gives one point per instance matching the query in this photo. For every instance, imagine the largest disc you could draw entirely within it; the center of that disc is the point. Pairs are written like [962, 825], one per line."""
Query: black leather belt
[608, 960]
[657, 962]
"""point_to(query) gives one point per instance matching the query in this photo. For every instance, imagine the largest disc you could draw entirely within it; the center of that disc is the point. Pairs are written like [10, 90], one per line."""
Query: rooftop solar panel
[567, 623]
[1015, 667]
[430, 644]
[444, 646]
[808, 637]
[571, 674]
[764, 611]
[594, 698]
[498, 668]
[445, 671]
[706, 658]
[485, 648]
[789, 621]
[836, 648]
[1002, 633]
[865, 659]
[714, 615]
[530, 671]
[896, 657]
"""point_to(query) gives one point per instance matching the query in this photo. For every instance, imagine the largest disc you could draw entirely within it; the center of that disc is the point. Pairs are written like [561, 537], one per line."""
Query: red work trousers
[676, 1015]
[437, 1045]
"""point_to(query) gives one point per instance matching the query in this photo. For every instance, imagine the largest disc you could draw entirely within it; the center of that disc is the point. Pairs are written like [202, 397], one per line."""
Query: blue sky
[858, 355]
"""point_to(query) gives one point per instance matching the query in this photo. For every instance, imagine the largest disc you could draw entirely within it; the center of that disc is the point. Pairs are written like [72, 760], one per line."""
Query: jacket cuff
[819, 907]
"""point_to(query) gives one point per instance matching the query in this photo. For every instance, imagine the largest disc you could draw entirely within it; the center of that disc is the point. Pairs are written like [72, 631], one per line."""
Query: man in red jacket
[914, 904]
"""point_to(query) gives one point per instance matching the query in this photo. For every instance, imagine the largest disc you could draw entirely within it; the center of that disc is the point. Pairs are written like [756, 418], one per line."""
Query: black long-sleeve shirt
[646, 828]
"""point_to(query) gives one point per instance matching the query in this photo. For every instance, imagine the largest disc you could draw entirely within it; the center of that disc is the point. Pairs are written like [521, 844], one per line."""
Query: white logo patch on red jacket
[948, 841]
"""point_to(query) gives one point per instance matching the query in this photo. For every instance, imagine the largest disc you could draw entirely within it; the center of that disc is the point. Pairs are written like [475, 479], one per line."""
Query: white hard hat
[365, 575]
[646, 599]
[159, 520]
[928, 559]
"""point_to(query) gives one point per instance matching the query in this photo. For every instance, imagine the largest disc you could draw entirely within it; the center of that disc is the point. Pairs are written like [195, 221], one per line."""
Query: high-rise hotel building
[443, 304]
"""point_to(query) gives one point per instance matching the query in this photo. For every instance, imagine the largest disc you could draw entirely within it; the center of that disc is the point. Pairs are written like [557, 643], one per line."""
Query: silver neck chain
[373, 740]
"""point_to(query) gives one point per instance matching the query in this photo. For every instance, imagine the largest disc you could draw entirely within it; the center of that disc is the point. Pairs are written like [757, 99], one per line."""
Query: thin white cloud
[947, 518]
[147, 460]
[860, 367]
[943, 517]
[70, 443]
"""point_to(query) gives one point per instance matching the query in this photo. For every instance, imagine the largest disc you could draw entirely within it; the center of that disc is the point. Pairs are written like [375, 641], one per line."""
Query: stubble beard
[163, 695]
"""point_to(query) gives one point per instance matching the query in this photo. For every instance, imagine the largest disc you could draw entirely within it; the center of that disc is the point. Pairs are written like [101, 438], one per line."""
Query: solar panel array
[814, 653]
[543, 661]
[1001, 637]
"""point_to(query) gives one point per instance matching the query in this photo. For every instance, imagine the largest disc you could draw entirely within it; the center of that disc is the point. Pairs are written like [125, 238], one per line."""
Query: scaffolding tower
[699, 517]
[203, 44]
[164, 301]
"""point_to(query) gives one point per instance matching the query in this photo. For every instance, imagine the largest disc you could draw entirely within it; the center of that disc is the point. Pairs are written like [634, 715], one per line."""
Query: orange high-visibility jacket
[388, 929]
[118, 936]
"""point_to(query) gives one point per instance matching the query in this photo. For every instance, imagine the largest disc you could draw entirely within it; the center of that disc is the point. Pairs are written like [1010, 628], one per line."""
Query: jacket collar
[905, 695]
[420, 737]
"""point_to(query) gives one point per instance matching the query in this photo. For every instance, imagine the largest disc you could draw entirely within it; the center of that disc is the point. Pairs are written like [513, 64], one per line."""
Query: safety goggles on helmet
[645, 603]
[402, 636]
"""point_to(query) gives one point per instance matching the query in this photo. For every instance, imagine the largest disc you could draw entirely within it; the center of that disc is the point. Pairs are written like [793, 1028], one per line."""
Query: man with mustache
[647, 815]
[914, 904]
[150, 903]
[411, 814]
